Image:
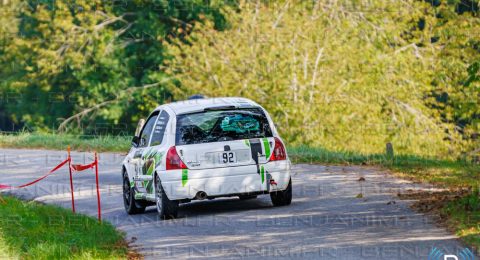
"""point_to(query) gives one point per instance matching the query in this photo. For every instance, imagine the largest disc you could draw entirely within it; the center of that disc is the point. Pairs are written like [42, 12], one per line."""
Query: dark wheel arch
[166, 208]
[282, 198]
[132, 206]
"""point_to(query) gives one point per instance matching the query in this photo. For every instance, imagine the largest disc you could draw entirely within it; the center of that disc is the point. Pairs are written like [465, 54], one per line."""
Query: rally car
[203, 149]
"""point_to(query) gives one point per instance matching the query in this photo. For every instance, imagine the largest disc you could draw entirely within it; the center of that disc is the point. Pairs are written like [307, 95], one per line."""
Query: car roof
[196, 105]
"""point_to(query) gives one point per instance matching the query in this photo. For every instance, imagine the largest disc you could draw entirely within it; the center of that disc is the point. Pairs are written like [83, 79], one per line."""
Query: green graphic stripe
[184, 177]
[149, 187]
[151, 168]
[262, 173]
[266, 147]
[247, 142]
[149, 184]
[149, 153]
[158, 159]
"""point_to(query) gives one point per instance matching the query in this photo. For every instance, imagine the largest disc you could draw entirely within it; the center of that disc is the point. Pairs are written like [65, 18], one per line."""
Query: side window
[159, 129]
[147, 130]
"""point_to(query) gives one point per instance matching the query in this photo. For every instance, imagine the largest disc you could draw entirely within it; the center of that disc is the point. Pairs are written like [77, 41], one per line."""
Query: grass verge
[30, 230]
[464, 217]
[444, 173]
[61, 142]
[456, 209]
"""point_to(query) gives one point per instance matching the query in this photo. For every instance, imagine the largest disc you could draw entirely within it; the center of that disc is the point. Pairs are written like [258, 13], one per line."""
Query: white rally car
[203, 149]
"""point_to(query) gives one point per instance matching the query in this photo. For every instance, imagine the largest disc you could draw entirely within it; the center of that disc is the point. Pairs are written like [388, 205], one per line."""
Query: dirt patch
[434, 202]
[132, 254]
[428, 201]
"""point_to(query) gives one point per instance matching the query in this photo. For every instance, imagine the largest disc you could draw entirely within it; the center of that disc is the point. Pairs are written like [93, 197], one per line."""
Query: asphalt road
[326, 219]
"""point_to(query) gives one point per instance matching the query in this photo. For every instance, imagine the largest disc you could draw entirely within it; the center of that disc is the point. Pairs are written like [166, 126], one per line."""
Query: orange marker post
[98, 190]
[71, 178]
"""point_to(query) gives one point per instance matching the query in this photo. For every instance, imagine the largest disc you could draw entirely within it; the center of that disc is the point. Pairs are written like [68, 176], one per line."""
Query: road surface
[326, 220]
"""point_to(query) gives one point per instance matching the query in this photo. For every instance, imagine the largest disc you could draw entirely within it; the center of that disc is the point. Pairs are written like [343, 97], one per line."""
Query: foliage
[33, 231]
[344, 75]
[349, 81]
[67, 57]
[453, 30]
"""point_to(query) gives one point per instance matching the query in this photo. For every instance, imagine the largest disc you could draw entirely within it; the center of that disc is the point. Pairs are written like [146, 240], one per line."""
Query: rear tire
[282, 198]
[132, 206]
[166, 208]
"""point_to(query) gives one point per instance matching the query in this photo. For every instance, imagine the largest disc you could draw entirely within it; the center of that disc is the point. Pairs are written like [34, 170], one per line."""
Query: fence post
[71, 178]
[98, 190]
[389, 152]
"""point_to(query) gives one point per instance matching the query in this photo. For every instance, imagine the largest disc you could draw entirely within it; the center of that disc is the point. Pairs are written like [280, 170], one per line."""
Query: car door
[153, 154]
[140, 152]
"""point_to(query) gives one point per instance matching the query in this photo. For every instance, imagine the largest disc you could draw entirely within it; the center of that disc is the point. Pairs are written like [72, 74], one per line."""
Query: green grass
[61, 142]
[5, 251]
[464, 217]
[443, 172]
[30, 230]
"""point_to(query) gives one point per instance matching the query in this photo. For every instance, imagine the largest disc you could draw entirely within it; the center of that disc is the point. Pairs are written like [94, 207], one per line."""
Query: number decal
[228, 157]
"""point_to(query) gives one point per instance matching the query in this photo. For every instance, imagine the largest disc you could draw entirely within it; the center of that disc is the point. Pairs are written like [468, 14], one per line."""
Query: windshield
[221, 125]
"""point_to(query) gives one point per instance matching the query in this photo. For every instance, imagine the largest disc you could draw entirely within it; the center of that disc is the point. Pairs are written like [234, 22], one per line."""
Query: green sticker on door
[184, 177]
[266, 146]
[262, 173]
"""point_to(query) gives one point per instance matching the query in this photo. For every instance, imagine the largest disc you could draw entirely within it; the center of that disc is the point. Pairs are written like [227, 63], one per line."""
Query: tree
[341, 75]
[93, 66]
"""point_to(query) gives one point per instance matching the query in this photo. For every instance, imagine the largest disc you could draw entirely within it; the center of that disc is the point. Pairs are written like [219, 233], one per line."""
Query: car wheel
[247, 197]
[132, 206]
[166, 208]
[282, 198]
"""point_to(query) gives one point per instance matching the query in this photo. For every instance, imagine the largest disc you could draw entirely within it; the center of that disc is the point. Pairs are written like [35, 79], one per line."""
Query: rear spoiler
[219, 108]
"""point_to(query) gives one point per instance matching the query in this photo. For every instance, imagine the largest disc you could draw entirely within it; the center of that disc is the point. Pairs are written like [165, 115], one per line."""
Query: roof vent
[196, 96]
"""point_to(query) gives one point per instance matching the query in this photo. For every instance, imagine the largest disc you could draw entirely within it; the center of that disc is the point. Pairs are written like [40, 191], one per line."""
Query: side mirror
[136, 138]
[140, 124]
[135, 141]
[143, 142]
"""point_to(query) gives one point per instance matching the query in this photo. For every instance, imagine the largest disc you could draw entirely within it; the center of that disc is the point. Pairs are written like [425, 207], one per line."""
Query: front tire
[282, 198]
[166, 208]
[132, 206]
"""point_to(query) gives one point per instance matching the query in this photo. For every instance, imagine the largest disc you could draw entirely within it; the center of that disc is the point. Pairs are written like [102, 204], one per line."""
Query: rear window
[221, 125]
